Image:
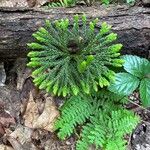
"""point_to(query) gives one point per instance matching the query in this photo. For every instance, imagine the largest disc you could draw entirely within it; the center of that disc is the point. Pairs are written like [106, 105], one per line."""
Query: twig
[139, 106]
[146, 122]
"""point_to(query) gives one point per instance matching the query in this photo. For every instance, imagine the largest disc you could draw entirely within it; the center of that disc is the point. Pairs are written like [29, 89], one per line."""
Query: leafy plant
[62, 3]
[104, 120]
[67, 59]
[130, 1]
[136, 77]
[106, 2]
[77, 61]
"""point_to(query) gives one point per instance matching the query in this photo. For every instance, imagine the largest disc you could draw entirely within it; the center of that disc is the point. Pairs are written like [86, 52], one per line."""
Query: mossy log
[131, 23]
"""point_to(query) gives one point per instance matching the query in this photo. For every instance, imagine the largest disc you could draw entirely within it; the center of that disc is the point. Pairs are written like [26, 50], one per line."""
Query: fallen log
[131, 23]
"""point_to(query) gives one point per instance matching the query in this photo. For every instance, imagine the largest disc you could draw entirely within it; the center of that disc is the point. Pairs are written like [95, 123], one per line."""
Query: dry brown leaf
[48, 117]
[44, 121]
[22, 134]
[31, 113]
[15, 143]
[21, 139]
[6, 119]
[4, 147]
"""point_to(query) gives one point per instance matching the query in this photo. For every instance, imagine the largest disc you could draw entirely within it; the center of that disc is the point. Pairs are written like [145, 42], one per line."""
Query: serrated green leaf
[137, 66]
[145, 91]
[124, 84]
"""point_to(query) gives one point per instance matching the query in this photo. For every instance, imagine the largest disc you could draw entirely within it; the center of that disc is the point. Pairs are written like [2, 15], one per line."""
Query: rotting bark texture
[132, 25]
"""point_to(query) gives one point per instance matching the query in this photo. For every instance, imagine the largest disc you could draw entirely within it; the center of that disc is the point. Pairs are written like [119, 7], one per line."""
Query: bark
[131, 23]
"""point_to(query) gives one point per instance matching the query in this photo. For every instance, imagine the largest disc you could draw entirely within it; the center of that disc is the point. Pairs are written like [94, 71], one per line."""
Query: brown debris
[22, 134]
[13, 3]
[15, 143]
[4, 147]
[5, 118]
[48, 117]
[31, 112]
[2, 131]
[46, 120]
[23, 3]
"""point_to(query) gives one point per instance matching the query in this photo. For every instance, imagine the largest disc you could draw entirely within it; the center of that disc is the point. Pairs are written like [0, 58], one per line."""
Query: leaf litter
[27, 115]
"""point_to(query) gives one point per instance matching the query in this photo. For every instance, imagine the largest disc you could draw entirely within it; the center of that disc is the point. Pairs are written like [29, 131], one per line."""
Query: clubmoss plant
[67, 59]
[76, 61]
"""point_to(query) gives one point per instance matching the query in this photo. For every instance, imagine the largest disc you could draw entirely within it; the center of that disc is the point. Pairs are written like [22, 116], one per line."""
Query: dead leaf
[48, 117]
[31, 113]
[5, 118]
[29, 146]
[4, 147]
[22, 134]
[15, 143]
[46, 120]
[21, 138]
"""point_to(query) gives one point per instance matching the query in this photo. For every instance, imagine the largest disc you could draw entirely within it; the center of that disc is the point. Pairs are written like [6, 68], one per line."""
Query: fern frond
[75, 58]
[54, 4]
[62, 3]
[74, 112]
[107, 131]
[103, 118]
[116, 144]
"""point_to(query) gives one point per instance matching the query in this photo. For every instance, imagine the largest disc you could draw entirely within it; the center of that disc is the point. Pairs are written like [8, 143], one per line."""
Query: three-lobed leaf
[124, 84]
[138, 76]
[137, 66]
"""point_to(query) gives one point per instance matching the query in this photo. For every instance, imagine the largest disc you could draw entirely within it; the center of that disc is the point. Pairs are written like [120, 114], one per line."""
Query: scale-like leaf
[137, 66]
[124, 84]
[145, 91]
[73, 57]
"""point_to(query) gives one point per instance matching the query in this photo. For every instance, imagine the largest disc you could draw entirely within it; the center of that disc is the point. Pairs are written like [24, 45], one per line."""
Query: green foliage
[125, 83]
[137, 76]
[104, 120]
[130, 2]
[106, 2]
[76, 61]
[68, 59]
[70, 3]
[62, 3]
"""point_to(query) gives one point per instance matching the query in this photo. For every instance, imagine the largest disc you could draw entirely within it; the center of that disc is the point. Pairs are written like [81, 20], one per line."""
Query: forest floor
[27, 115]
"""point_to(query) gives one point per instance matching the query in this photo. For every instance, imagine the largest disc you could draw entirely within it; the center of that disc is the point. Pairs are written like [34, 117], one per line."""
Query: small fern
[67, 59]
[104, 120]
[54, 4]
[62, 3]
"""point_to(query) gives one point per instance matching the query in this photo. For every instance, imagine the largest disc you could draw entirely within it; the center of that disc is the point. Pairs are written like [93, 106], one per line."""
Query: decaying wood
[131, 23]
